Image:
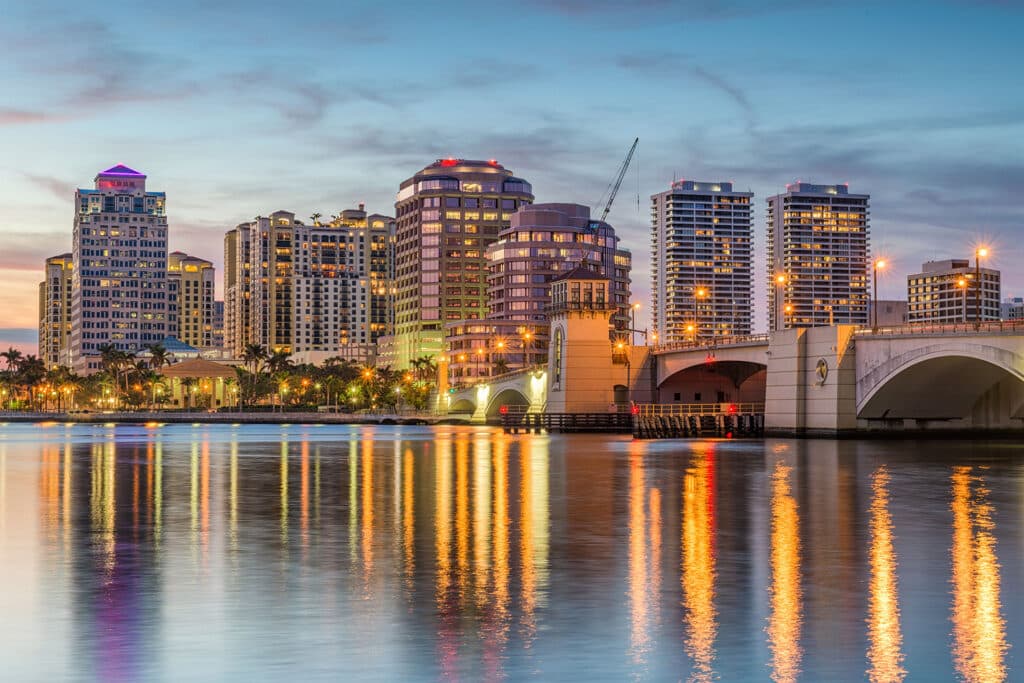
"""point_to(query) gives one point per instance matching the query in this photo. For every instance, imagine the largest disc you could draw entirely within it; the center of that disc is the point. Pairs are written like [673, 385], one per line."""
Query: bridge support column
[812, 381]
[483, 396]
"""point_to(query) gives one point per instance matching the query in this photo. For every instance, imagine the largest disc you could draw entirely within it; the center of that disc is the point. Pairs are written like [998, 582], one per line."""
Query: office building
[55, 311]
[191, 285]
[542, 242]
[448, 214]
[818, 256]
[119, 292]
[1012, 308]
[946, 292]
[218, 324]
[701, 266]
[314, 291]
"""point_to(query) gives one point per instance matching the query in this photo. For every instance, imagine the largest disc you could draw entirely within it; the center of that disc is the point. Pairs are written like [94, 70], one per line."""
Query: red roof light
[448, 162]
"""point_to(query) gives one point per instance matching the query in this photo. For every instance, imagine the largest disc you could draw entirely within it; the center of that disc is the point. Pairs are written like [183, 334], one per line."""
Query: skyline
[230, 131]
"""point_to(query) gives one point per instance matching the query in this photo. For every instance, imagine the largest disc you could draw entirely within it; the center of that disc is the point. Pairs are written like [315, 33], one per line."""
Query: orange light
[781, 279]
[880, 263]
[702, 292]
[636, 306]
[982, 251]
[961, 282]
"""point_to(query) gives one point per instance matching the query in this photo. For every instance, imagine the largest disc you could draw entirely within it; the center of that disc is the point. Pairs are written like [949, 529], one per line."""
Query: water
[405, 553]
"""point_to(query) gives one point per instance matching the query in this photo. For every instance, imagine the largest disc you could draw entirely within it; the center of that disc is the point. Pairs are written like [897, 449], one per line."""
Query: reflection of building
[944, 292]
[448, 214]
[190, 285]
[119, 288]
[542, 242]
[314, 291]
[701, 243]
[55, 311]
[818, 241]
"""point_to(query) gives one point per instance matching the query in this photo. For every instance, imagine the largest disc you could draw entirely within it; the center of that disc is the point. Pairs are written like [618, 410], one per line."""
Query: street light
[527, 345]
[479, 361]
[780, 283]
[700, 293]
[875, 267]
[632, 332]
[979, 253]
[620, 346]
[962, 284]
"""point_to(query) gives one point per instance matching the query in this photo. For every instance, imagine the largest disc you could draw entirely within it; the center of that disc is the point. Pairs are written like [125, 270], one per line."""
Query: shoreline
[233, 418]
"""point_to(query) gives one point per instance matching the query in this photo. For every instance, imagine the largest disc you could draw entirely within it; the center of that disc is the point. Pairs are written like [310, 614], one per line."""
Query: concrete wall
[585, 382]
[710, 382]
[798, 400]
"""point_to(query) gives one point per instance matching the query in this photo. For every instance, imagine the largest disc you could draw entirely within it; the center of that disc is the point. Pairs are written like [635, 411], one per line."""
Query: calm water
[405, 553]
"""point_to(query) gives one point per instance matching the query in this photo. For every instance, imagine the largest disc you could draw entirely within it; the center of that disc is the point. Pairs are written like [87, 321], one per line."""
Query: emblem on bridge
[821, 371]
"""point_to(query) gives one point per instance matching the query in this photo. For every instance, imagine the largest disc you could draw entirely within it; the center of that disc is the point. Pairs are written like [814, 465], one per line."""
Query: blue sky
[241, 108]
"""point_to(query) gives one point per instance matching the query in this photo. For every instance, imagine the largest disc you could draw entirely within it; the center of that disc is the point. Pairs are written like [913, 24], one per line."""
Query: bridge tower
[582, 370]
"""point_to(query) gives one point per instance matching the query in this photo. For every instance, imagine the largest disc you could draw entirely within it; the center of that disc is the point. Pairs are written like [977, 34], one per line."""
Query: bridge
[824, 380]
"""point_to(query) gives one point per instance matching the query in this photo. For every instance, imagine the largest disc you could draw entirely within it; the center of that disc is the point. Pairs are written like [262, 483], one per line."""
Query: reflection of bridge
[821, 380]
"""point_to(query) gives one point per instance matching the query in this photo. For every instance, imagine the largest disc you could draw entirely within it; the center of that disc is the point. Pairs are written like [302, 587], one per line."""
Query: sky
[237, 109]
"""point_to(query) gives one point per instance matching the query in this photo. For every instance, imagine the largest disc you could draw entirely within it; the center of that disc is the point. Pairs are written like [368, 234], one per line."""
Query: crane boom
[618, 180]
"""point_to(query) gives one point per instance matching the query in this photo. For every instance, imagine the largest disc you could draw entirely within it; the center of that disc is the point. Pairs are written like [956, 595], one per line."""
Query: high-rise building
[218, 324]
[119, 290]
[191, 285]
[818, 256]
[542, 242]
[55, 311]
[448, 214]
[945, 292]
[701, 266]
[314, 291]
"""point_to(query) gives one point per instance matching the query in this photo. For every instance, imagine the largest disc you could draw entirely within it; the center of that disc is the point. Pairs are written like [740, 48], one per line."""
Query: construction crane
[618, 181]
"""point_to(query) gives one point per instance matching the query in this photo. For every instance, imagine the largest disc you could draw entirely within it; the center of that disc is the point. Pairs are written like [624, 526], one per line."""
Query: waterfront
[258, 552]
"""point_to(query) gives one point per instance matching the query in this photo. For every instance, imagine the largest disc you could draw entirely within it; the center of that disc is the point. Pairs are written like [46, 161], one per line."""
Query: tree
[316, 218]
[12, 357]
[159, 356]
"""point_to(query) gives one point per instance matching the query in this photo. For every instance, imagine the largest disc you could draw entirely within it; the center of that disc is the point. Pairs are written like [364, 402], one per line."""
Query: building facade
[818, 256]
[218, 324]
[542, 242]
[313, 291]
[191, 282]
[55, 311]
[119, 291]
[701, 261]
[447, 214]
[946, 292]
[1012, 308]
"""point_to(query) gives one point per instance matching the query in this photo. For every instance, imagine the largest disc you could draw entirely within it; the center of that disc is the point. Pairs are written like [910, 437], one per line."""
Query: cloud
[15, 117]
[676, 11]
[18, 335]
[60, 189]
[27, 251]
[673, 65]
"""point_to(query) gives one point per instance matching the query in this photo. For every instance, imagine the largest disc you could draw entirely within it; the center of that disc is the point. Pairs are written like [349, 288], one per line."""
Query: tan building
[448, 214]
[191, 286]
[55, 311]
[946, 292]
[314, 291]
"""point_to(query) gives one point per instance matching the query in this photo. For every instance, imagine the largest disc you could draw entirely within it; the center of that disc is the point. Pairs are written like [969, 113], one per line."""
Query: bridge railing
[940, 329]
[718, 342]
[685, 409]
[468, 383]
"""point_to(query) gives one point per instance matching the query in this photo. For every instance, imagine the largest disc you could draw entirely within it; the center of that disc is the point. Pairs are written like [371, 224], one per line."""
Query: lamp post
[527, 344]
[780, 282]
[632, 332]
[479, 361]
[978, 254]
[962, 284]
[698, 294]
[875, 267]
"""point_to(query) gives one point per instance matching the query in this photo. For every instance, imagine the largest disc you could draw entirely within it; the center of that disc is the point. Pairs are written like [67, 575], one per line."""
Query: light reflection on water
[398, 553]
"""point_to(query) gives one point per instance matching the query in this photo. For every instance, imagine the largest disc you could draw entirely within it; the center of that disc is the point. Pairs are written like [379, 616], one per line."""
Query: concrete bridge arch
[977, 381]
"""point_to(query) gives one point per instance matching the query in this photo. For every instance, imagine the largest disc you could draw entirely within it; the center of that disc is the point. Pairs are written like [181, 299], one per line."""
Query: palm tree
[279, 361]
[13, 357]
[254, 355]
[316, 218]
[159, 356]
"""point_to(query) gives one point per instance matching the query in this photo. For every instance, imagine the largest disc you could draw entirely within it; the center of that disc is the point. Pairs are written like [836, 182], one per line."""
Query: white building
[945, 292]
[818, 256]
[119, 284]
[191, 288]
[701, 267]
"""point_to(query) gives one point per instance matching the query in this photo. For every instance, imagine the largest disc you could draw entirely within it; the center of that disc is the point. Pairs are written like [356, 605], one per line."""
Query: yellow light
[636, 306]
[982, 251]
[880, 263]
[781, 279]
[501, 344]
[702, 292]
